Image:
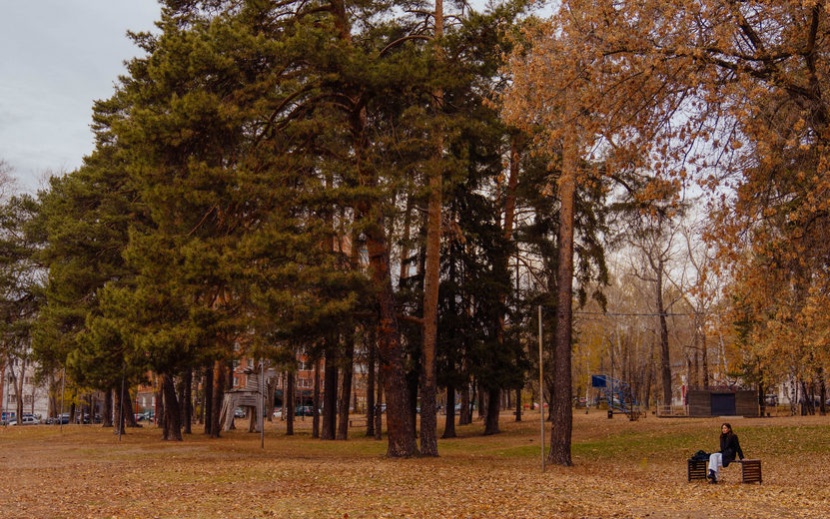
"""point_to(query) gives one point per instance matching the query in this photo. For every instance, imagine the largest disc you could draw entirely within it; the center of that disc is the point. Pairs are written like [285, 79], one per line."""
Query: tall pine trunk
[219, 381]
[370, 216]
[465, 417]
[449, 422]
[516, 145]
[187, 402]
[288, 403]
[519, 405]
[109, 410]
[370, 387]
[329, 431]
[432, 269]
[315, 415]
[379, 408]
[172, 413]
[399, 426]
[478, 395]
[127, 403]
[119, 421]
[346, 388]
[665, 361]
[18, 386]
[159, 411]
[560, 441]
[180, 398]
[207, 408]
[491, 422]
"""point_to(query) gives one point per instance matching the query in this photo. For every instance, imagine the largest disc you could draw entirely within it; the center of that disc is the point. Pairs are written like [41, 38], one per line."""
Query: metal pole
[121, 418]
[541, 392]
[261, 404]
[5, 419]
[63, 393]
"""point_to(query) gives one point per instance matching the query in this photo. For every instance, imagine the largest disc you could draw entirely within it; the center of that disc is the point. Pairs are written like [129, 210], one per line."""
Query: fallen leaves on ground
[621, 469]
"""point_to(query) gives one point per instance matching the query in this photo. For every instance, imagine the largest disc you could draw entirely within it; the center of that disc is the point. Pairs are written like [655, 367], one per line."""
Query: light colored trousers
[715, 462]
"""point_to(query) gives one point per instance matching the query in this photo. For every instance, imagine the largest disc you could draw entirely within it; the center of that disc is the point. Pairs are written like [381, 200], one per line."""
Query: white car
[26, 420]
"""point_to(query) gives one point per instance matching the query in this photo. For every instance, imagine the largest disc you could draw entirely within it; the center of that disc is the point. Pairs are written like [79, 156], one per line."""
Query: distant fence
[671, 410]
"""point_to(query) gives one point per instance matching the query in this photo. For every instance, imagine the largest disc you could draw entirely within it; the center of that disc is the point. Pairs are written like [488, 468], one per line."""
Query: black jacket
[729, 447]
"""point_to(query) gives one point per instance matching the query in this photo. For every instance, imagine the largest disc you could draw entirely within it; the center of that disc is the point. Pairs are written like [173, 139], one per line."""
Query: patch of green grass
[636, 445]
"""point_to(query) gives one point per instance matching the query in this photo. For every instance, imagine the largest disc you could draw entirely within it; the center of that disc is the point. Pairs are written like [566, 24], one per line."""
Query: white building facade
[35, 396]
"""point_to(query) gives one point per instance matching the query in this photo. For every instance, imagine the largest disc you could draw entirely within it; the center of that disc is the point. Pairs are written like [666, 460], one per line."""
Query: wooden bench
[697, 469]
[357, 422]
[750, 470]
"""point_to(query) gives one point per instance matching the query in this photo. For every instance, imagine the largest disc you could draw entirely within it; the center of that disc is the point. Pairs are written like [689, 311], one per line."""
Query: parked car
[144, 416]
[304, 410]
[26, 419]
[239, 413]
[59, 419]
[7, 417]
[815, 400]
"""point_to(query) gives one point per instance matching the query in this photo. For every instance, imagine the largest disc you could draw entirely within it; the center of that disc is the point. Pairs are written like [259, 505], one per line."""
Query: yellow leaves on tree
[731, 93]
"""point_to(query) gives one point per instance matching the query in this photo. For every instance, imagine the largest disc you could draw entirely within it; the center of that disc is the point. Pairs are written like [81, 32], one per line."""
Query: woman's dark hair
[727, 426]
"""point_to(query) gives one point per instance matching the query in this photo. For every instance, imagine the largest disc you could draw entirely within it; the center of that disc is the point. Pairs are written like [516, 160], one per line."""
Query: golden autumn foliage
[731, 95]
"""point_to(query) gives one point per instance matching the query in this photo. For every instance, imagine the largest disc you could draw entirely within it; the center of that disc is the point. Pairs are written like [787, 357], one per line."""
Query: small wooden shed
[703, 403]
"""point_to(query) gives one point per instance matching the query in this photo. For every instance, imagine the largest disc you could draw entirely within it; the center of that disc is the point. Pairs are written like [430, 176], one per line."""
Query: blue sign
[599, 381]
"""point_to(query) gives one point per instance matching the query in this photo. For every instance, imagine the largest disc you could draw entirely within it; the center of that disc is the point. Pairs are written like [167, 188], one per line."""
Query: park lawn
[622, 469]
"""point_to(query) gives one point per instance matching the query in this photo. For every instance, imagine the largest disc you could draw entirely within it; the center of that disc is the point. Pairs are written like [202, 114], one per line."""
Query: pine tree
[20, 287]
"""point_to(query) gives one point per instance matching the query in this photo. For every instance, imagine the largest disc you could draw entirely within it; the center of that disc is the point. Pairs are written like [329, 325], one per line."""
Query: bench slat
[751, 471]
[696, 469]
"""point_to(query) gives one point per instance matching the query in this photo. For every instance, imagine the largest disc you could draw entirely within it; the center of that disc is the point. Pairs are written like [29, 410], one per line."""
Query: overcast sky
[56, 58]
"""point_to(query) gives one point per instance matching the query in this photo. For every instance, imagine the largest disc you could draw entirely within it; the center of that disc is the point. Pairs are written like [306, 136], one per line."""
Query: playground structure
[618, 394]
[250, 398]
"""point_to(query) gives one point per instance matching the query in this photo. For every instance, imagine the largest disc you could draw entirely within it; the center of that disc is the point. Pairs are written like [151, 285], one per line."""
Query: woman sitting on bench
[729, 447]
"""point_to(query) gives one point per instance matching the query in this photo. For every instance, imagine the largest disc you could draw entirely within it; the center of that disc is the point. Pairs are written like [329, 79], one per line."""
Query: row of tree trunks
[175, 405]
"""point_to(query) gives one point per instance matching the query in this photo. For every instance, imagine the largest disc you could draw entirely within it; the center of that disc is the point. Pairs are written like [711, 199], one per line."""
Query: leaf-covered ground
[622, 469]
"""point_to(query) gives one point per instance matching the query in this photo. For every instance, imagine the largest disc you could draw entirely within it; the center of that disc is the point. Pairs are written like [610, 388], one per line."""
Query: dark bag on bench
[700, 456]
